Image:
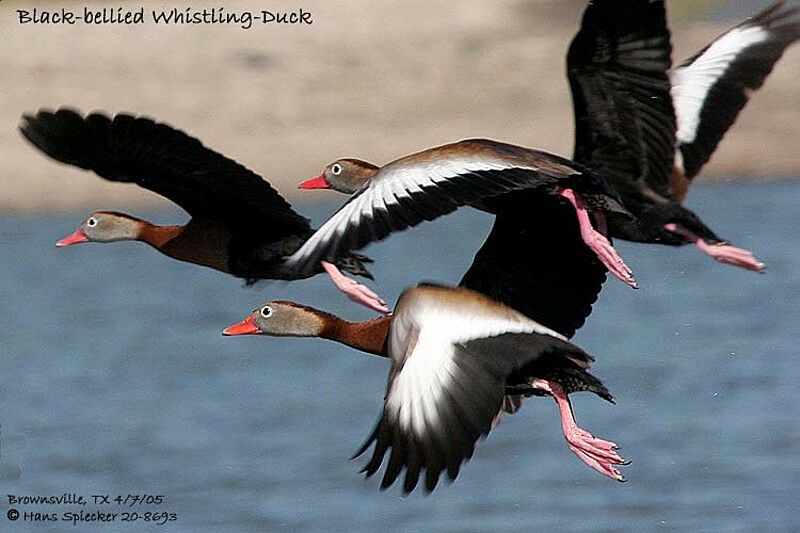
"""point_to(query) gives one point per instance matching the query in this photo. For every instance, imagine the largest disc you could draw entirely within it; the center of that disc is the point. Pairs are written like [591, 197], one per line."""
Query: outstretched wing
[166, 161]
[618, 67]
[428, 185]
[535, 261]
[450, 362]
[713, 86]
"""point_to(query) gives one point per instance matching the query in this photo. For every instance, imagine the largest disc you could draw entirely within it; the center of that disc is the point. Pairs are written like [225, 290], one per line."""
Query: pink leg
[722, 252]
[354, 290]
[598, 454]
[598, 242]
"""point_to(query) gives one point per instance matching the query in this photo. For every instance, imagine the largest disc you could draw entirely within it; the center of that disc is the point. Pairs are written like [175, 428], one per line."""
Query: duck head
[343, 175]
[105, 226]
[281, 319]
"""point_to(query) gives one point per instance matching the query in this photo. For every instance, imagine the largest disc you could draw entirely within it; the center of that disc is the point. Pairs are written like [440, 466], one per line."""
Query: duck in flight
[240, 225]
[459, 360]
[557, 294]
[478, 172]
[648, 129]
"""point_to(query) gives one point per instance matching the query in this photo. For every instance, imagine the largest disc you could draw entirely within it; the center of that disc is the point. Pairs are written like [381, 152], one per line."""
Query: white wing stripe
[398, 181]
[412, 394]
[430, 368]
[691, 84]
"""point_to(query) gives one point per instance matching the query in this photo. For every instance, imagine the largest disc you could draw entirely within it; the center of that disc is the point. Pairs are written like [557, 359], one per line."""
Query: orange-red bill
[245, 327]
[316, 183]
[75, 238]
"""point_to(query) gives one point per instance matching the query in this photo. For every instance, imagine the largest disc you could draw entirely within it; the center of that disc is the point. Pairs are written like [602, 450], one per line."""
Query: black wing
[713, 86]
[618, 67]
[535, 261]
[166, 161]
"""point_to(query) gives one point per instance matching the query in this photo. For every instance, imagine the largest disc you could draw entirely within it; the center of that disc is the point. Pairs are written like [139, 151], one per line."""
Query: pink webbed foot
[722, 251]
[357, 292]
[598, 242]
[597, 454]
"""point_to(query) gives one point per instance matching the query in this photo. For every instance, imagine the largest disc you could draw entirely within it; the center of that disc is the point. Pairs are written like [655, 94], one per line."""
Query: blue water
[114, 379]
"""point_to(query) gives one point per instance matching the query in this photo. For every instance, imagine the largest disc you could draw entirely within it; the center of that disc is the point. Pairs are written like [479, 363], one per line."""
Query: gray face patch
[109, 227]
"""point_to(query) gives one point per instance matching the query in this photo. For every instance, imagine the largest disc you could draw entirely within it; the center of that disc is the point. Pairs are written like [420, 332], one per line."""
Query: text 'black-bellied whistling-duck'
[649, 130]
[240, 225]
[459, 360]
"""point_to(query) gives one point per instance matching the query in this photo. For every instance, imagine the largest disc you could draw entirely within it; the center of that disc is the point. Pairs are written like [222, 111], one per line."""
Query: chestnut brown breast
[202, 242]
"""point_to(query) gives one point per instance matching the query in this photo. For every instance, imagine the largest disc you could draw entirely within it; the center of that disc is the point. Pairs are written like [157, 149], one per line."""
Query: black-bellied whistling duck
[648, 130]
[423, 186]
[240, 225]
[458, 360]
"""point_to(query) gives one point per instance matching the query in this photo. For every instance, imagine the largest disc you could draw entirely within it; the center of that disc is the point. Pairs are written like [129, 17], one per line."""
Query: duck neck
[368, 336]
[158, 236]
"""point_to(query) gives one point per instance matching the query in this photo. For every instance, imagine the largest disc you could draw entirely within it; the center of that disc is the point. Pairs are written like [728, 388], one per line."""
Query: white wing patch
[430, 368]
[691, 84]
[416, 389]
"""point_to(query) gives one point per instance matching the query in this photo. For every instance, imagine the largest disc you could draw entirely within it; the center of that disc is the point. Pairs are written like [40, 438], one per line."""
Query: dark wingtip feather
[165, 160]
[66, 136]
[431, 480]
[367, 442]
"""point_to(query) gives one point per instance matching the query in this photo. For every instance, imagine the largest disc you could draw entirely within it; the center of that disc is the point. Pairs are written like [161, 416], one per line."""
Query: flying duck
[649, 129]
[478, 172]
[458, 361]
[240, 225]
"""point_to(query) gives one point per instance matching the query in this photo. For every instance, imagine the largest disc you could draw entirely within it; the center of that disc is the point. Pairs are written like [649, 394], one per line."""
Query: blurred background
[372, 79]
[113, 375]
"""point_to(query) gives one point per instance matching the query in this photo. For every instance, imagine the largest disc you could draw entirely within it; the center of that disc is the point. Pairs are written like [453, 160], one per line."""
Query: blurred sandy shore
[372, 79]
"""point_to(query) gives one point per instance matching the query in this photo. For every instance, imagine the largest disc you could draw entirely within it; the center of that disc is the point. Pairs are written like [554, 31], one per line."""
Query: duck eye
[336, 169]
[266, 311]
[92, 222]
